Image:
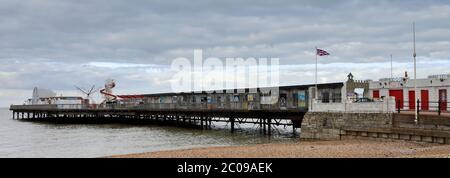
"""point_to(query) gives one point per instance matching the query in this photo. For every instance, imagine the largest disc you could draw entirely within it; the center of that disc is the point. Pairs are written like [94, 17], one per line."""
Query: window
[336, 97]
[325, 97]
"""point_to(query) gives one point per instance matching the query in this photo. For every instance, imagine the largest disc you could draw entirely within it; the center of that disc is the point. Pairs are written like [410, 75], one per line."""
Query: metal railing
[204, 106]
[430, 106]
[163, 106]
[49, 106]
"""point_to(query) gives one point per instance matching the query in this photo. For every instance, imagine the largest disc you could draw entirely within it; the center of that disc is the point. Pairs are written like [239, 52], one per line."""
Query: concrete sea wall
[329, 125]
[336, 126]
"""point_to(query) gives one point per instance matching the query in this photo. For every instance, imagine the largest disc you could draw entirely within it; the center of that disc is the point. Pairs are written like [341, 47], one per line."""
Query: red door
[398, 94]
[376, 94]
[412, 100]
[443, 99]
[424, 96]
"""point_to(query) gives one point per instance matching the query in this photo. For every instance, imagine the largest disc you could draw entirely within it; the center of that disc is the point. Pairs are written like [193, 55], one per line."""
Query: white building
[430, 91]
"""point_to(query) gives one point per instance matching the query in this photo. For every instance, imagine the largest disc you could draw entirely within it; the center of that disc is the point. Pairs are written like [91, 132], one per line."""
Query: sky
[57, 44]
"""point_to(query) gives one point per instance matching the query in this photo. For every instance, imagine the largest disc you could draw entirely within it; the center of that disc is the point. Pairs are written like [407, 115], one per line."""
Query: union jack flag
[321, 52]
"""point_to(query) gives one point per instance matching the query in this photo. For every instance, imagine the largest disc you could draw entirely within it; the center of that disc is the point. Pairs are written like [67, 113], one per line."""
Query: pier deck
[198, 118]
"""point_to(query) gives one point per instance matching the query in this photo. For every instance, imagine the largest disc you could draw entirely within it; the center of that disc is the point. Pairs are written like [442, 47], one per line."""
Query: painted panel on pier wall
[251, 101]
[209, 101]
[245, 102]
[301, 98]
[283, 101]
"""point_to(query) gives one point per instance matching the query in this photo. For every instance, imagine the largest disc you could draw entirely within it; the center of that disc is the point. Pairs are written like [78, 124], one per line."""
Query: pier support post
[269, 127]
[264, 126]
[14, 115]
[232, 124]
[201, 122]
[293, 130]
[210, 122]
[260, 126]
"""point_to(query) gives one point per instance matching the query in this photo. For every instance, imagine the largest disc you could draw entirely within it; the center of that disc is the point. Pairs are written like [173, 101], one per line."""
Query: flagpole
[415, 72]
[392, 75]
[316, 90]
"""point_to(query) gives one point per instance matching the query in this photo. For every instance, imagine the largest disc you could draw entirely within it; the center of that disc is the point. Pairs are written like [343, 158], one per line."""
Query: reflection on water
[31, 139]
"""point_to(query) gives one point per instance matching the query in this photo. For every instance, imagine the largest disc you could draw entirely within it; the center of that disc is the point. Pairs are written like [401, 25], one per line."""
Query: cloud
[60, 43]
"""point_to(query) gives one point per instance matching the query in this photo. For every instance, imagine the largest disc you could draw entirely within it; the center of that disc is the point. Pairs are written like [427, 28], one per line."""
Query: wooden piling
[260, 126]
[264, 126]
[293, 130]
[232, 124]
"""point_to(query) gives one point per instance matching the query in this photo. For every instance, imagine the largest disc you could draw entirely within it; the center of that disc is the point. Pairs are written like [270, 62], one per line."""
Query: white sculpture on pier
[107, 91]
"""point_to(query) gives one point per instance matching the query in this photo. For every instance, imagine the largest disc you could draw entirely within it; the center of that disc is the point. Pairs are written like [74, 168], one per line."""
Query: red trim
[398, 94]
[376, 94]
[443, 99]
[424, 99]
[412, 100]
[108, 94]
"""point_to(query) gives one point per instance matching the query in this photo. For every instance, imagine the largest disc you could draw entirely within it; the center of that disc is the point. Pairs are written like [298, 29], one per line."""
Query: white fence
[385, 106]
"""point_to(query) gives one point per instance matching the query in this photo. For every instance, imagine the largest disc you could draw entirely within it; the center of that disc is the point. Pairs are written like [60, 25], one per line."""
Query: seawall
[340, 125]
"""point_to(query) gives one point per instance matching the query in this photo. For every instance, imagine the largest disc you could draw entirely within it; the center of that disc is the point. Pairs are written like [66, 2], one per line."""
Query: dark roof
[303, 87]
[131, 96]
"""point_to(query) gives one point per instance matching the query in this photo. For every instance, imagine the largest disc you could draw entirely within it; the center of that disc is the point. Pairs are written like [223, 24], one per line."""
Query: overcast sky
[56, 44]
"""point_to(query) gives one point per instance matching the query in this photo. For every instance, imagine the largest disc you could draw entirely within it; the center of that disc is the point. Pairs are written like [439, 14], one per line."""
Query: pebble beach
[310, 149]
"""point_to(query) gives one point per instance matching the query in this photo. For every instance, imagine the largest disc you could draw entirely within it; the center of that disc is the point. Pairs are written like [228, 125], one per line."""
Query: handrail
[430, 106]
[155, 106]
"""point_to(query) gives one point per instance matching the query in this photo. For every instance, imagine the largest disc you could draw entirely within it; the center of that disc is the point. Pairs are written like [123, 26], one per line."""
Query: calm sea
[32, 139]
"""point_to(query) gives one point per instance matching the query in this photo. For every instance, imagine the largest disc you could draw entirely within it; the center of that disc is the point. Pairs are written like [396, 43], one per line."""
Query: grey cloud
[143, 31]
[50, 43]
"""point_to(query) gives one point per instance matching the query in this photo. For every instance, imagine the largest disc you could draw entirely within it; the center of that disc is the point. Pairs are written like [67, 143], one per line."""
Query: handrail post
[439, 107]
[398, 106]
[418, 109]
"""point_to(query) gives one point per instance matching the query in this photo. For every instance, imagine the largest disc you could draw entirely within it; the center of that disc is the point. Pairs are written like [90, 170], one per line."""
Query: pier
[336, 112]
[265, 108]
[265, 120]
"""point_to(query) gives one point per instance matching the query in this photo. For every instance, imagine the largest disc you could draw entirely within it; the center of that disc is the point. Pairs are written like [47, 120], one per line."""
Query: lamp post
[416, 120]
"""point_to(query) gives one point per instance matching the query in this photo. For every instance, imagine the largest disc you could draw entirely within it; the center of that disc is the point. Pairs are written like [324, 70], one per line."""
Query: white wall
[386, 106]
